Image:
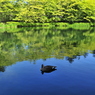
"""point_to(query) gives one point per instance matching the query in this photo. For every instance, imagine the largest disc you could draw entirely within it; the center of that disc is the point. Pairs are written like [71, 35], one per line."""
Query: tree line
[47, 11]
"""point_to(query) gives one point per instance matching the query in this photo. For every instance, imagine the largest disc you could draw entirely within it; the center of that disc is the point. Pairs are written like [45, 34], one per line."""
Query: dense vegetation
[47, 10]
[32, 44]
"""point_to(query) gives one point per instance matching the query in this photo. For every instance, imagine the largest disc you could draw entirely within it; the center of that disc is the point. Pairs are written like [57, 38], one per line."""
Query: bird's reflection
[47, 69]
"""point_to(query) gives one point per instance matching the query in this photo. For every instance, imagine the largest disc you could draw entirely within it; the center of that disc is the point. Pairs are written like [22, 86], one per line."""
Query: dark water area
[22, 53]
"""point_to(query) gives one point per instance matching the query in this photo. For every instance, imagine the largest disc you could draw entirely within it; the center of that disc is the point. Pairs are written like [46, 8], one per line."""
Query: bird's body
[47, 68]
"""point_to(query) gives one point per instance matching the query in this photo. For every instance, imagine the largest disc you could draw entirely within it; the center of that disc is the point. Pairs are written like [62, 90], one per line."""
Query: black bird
[47, 69]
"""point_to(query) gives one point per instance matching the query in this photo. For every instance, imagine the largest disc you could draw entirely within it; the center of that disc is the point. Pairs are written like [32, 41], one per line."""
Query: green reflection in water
[33, 44]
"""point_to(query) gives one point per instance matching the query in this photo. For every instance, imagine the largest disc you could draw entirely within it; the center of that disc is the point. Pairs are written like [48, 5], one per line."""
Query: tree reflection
[70, 59]
[93, 53]
[85, 55]
[2, 68]
[34, 44]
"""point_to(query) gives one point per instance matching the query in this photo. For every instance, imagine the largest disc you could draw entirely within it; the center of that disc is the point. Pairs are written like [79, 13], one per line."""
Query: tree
[6, 10]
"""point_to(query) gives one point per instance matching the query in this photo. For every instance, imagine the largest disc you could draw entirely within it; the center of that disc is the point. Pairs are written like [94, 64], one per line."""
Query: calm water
[22, 53]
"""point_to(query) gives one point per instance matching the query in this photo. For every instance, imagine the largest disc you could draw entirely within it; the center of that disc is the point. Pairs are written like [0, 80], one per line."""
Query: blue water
[25, 78]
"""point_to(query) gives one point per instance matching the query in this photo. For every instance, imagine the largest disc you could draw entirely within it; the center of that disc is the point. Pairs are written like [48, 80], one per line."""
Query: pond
[22, 53]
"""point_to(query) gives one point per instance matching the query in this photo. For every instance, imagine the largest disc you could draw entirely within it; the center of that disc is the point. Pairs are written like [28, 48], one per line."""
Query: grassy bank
[12, 26]
[8, 27]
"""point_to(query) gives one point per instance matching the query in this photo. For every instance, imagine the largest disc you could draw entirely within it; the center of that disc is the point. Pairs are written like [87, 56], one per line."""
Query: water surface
[22, 54]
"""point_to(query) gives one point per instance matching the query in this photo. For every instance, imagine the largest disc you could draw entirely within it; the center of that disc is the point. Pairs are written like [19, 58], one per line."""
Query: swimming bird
[47, 68]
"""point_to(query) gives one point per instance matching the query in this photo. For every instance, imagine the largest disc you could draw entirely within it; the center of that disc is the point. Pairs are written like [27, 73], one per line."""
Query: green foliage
[33, 44]
[7, 10]
[48, 10]
[12, 26]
